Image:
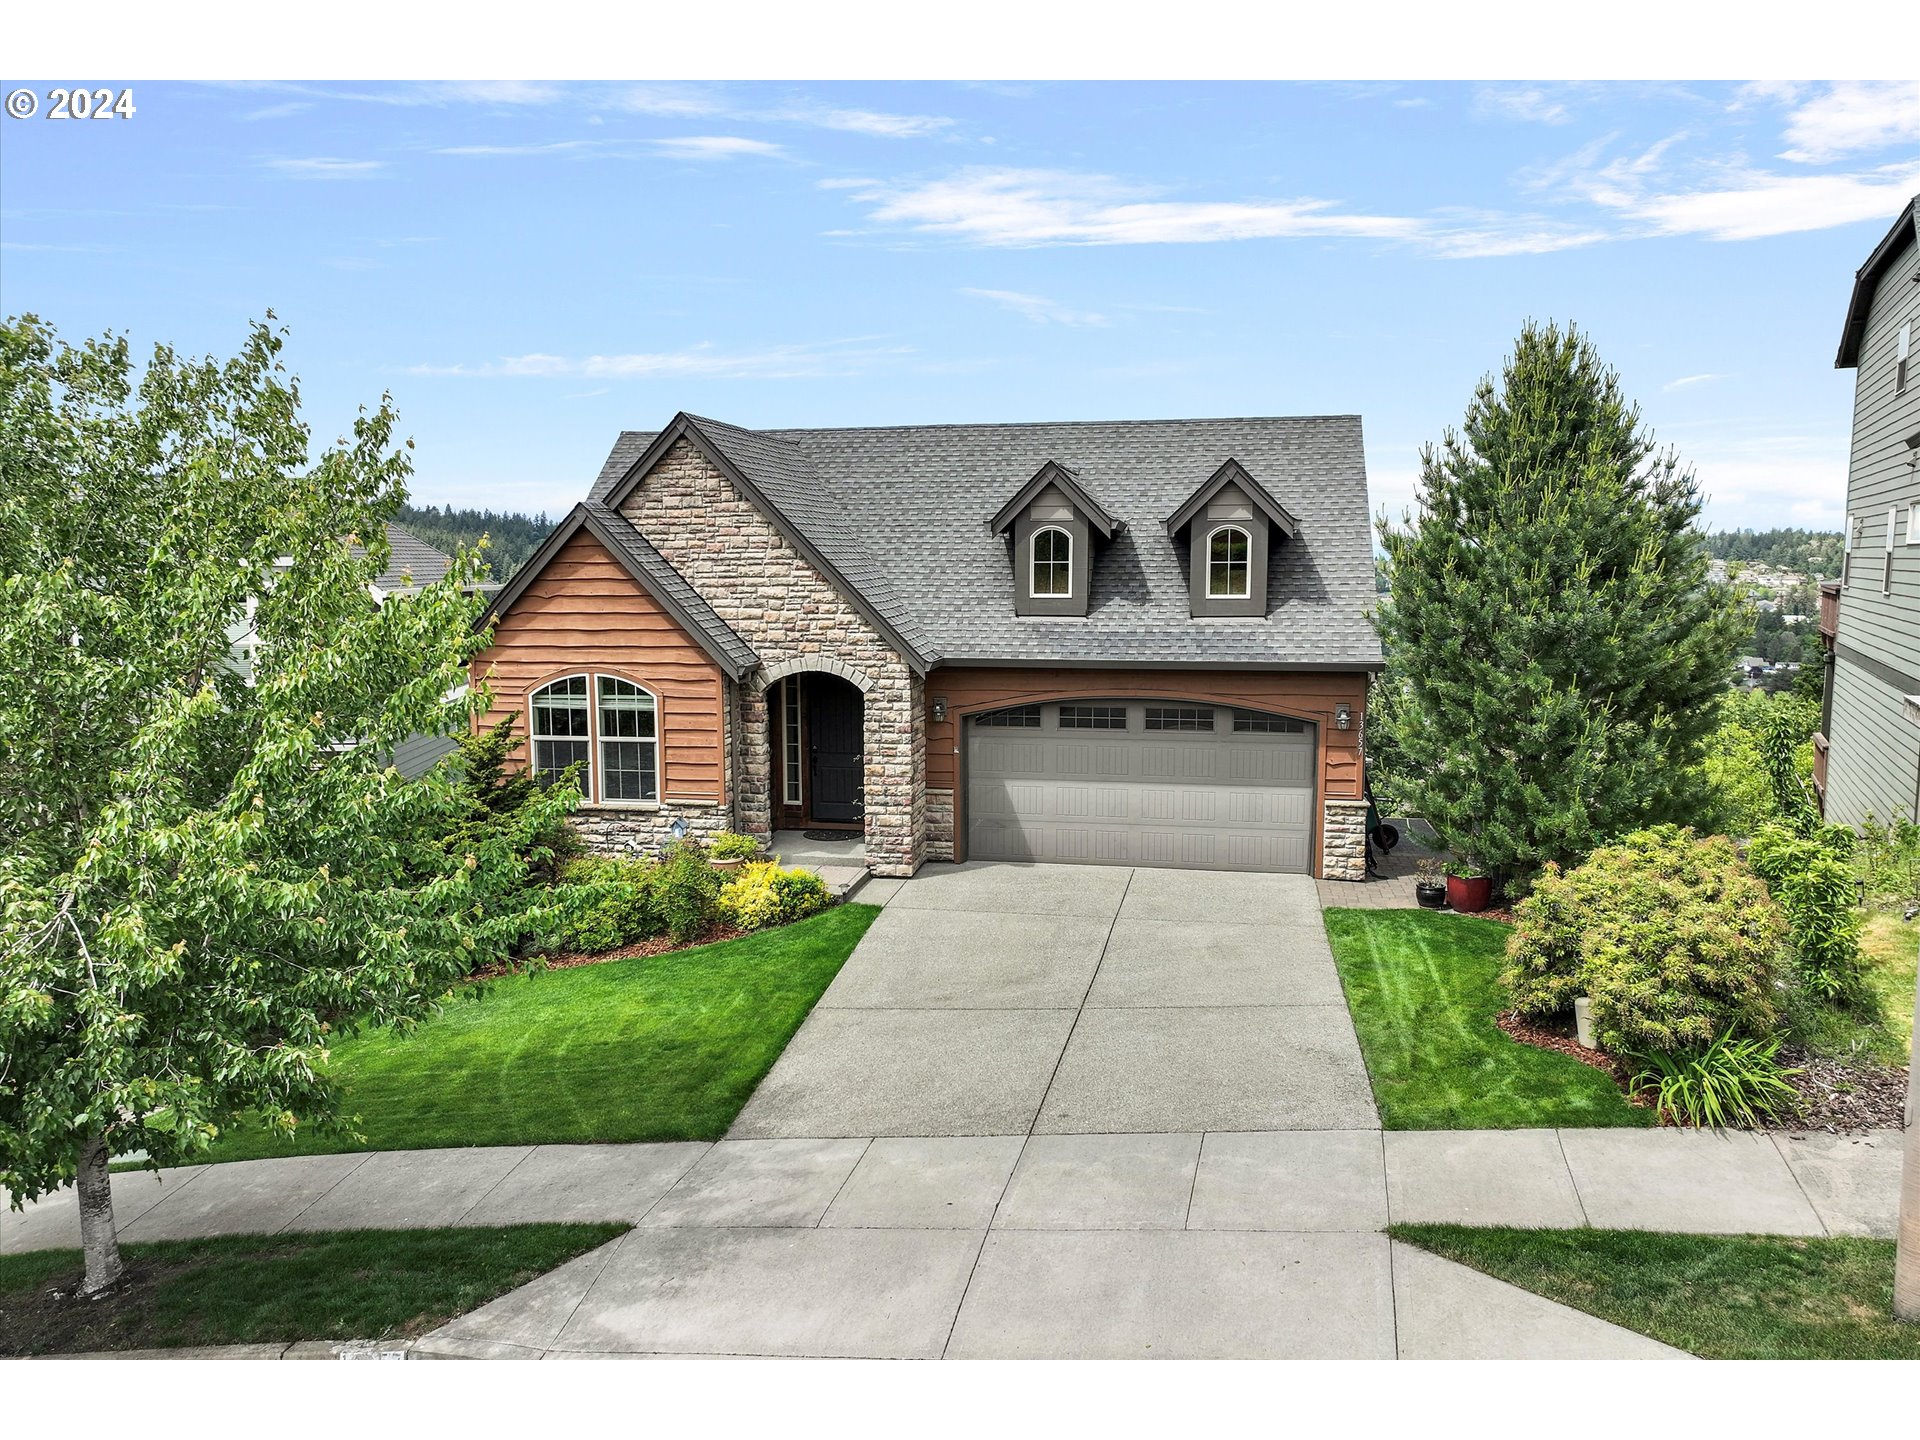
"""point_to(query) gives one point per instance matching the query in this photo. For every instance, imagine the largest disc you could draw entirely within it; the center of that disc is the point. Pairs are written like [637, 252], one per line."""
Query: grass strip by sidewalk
[259, 1289]
[657, 1047]
[1424, 990]
[1727, 1297]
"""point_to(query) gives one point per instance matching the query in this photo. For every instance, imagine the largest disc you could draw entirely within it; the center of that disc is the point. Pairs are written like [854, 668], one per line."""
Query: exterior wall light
[939, 709]
[1343, 717]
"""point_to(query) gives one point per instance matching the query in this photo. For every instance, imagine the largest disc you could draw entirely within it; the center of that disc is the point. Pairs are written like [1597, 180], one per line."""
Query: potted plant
[1429, 884]
[729, 850]
[1469, 886]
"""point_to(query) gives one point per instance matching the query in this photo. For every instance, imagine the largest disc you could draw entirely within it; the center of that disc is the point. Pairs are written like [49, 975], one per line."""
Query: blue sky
[530, 268]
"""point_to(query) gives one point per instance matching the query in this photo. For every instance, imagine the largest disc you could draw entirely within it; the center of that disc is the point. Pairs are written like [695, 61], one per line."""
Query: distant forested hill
[1812, 552]
[511, 537]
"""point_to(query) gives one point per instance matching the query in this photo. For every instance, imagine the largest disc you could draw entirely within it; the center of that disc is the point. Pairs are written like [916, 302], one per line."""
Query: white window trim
[1245, 534]
[599, 745]
[1034, 562]
[592, 793]
[1913, 522]
[790, 741]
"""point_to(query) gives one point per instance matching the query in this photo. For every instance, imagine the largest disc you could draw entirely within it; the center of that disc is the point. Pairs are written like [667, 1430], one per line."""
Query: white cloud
[715, 147]
[326, 167]
[706, 361]
[1750, 204]
[1685, 380]
[679, 147]
[860, 122]
[1528, 103]
[1037, 308]
[279, 112]
[1853, 116]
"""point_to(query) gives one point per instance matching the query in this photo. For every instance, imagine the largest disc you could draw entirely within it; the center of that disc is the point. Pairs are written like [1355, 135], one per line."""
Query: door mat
[830, 834]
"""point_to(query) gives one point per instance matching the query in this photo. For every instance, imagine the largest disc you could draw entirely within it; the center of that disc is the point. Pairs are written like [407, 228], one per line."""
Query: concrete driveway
[996, 999]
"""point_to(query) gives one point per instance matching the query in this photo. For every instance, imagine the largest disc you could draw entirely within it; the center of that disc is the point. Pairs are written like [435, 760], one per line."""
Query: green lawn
[1728, 1297]
[1424, 991]
[664, 1047]
[256, 1289]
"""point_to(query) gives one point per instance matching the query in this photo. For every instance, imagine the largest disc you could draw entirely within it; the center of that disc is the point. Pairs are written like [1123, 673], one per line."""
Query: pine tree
[1550, 626]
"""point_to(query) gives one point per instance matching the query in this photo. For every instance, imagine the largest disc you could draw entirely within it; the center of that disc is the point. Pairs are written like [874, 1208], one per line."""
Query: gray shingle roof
[413, 563]
[905, 510]
[672, 587]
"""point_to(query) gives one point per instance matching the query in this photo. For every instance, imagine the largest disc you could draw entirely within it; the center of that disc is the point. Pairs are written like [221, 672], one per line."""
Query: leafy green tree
[206, 876]
[1559, 649]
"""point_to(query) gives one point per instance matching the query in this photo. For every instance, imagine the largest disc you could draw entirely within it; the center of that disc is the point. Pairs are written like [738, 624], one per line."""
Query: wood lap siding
[1307, 696]
[585, 613]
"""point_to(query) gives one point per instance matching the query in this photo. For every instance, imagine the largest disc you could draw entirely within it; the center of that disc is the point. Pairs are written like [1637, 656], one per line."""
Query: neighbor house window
[1093, 717]
[1913, 522]
[1178, 717]
[1252, 722]
[1228, 564]
[1052, 562]
[559, 728]
[1019, 717]
[1886, 572]
[790, 725]
[1902, 356]
[629, 743]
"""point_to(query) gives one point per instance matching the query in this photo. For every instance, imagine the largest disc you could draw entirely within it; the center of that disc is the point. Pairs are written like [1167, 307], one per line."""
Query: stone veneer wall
[939, 824]
[643, 834]
[756, 581]
[1343, 840]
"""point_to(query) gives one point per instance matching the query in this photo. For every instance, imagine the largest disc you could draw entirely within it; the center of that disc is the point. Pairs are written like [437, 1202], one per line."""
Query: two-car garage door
[1130, 782]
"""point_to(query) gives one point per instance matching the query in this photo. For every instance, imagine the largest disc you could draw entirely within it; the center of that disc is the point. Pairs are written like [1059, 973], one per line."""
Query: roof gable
[1905, 233]
[648, 569]
[1072, 486]
[1233, 473]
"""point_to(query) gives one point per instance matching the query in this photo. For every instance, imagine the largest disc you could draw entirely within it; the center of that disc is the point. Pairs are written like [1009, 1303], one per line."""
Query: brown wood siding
[585, 614]
[1303, 695]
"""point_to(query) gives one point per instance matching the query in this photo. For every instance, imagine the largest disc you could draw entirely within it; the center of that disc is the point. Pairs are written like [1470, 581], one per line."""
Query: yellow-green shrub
[763, 894]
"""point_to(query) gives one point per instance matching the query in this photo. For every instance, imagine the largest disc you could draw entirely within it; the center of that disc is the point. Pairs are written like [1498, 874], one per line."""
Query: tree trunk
[99, 1240]
[1906, 1265]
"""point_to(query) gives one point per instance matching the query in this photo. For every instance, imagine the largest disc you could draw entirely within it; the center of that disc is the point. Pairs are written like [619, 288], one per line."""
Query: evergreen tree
[1557, 648]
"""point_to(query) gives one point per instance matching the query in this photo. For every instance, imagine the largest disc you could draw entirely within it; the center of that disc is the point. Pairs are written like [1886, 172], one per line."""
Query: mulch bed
[1834, 1096]
[658, 945]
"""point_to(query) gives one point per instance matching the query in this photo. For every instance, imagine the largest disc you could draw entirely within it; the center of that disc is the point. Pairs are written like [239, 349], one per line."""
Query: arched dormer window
[1052, 576]
[1229, 563]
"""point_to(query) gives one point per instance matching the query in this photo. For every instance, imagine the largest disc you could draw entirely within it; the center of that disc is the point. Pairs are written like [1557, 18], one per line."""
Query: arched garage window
[629, 742]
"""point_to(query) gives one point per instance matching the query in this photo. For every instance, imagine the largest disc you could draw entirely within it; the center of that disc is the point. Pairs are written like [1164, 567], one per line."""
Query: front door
[836, 759]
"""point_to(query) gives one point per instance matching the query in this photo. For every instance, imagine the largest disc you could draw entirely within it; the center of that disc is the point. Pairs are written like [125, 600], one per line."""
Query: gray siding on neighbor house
[416, 754]
[1875, 756]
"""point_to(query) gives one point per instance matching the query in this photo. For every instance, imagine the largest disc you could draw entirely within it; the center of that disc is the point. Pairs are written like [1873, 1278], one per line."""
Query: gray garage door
[1130, 782]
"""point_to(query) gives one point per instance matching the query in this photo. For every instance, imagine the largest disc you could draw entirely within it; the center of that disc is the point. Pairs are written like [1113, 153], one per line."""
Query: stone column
[753, 775]
[1343, 840]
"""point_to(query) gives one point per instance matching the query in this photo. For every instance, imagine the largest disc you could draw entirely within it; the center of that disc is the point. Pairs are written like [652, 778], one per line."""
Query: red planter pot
[1469, 895]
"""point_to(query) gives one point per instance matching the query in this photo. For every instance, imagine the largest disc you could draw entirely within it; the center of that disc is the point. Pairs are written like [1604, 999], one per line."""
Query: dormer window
[1052, 571]
[1229, 527]
[1051, 525]
[1229, 563]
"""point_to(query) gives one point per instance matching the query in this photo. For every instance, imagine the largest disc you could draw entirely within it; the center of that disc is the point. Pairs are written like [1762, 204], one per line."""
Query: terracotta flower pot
[1469, 894]
[732, 862]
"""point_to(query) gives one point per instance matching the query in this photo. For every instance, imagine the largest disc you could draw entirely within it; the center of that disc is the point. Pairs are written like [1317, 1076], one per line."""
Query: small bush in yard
[728, 845]
[764, 894]
[1817, 890]
[1672, 937]
[607, 902]
[1731, 1082]
[687, 890]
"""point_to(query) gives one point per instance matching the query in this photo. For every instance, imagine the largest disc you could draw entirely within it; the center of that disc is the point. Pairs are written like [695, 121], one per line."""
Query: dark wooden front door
[836, 756]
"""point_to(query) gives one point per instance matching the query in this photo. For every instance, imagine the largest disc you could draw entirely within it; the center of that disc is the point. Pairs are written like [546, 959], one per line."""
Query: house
[1140, 642]
[1867, 754]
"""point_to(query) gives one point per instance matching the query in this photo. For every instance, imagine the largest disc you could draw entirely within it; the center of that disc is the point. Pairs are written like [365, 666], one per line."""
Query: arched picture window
[1052, 562]
[629, 742]
[558, 728]
[1228, 563]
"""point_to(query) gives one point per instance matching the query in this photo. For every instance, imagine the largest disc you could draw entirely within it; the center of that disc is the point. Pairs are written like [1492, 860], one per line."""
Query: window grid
[1052, 576]
[1229, 573]
[1093, 717]
[629, 743]
[1178, 717]
[790, 719]
[1252, 722]
[559, 727]
[1019, 717]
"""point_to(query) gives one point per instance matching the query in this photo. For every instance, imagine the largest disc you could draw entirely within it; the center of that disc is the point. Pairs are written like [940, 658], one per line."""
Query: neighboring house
[412, 565]
[1127, 643]
[1867, 756]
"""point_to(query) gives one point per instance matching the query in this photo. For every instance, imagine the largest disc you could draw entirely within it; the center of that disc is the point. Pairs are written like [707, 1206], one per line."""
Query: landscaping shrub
[1816, 889]
[1672, 937]
[1734, 1081]
[728, 845]
[762, 895]
[687, 889]
[606, 902]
